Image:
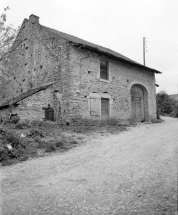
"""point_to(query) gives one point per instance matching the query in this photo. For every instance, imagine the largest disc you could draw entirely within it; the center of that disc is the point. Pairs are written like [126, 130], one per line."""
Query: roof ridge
[99, 49]
[57, 31]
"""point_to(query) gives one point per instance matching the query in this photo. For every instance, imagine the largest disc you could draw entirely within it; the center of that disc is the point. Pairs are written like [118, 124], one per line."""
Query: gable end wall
[122, 77]
[38, 57]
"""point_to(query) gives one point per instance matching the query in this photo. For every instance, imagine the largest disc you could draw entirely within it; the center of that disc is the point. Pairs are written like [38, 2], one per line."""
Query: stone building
[82, 82]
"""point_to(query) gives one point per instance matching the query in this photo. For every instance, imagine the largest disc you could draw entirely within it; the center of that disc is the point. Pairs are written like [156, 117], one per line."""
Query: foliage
[15, 147]
[7, 37]
[166, 105]
[36, 132]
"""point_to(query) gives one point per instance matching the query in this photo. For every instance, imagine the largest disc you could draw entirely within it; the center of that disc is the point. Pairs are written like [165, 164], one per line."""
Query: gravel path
[134, 172]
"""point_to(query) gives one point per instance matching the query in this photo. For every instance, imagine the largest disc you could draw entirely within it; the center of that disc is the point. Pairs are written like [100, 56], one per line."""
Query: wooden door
[137, 104]
[104, 108]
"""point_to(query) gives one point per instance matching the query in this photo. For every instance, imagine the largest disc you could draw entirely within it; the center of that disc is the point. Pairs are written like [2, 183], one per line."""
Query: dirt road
[134, 172]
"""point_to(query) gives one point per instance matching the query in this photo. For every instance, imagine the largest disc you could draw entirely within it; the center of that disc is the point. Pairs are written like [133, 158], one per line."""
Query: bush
[50, 147]
[35, 132]
[14, 148]
[166, 106]
[9, 162]
[18, 149]
[23, 124]
[66, 142]
[62, 143]
[72, 140]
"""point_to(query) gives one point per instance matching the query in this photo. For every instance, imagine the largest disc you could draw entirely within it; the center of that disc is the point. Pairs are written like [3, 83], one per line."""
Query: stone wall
[85, 69]
[40, 56]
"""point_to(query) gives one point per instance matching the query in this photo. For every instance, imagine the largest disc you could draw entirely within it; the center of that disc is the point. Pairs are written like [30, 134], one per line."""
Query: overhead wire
[127, 4]
[162, 43]
[91, 24]
[16, 12]
[109, 26]
[50, 24]
[126, 20]
[22, 10]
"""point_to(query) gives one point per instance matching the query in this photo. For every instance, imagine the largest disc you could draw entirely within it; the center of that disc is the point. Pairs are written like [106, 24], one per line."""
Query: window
[104, 71]
[104, 107]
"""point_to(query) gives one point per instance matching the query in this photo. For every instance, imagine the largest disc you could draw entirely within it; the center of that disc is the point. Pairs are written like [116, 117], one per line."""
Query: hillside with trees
[166, 105]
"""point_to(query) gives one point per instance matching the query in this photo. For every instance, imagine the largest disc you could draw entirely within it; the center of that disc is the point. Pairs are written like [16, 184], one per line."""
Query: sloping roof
[26, 95]
[99, 49]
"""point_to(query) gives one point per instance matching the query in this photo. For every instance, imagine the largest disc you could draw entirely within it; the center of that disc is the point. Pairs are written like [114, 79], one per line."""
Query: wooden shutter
[104, 107]
[94, 106]
[104, 70]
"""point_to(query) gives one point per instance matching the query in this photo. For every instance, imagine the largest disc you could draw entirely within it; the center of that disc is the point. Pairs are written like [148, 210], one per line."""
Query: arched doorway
[139, 103]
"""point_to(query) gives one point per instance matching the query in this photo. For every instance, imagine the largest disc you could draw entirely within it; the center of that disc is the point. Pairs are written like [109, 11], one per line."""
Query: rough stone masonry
[41, 55]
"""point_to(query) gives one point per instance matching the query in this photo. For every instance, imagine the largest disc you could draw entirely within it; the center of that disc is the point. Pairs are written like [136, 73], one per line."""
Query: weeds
[36, 133]
[14, 148]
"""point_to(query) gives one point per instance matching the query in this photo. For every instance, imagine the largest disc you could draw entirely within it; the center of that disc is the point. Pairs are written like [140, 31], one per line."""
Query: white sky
[116, 24]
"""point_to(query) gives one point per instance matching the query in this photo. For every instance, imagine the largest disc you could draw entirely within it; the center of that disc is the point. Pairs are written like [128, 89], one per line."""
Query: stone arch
[145, 100]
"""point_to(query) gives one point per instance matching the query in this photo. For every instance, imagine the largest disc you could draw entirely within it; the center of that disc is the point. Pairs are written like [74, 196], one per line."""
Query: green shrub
[23, 124]
[166, 106]
[50, 147]
[60, 143]
[9, 162]
[35, 132]
[72, 140]
[65, 143]
[19, 147]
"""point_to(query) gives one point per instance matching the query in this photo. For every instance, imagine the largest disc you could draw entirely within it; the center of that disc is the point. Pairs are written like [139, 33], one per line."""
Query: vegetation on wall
[166, 106]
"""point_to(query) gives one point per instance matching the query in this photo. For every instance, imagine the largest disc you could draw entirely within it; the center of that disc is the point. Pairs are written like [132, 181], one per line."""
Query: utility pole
[144, 43]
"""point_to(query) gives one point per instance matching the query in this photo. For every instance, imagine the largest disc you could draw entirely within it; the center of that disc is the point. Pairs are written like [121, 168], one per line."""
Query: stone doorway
[139, 104]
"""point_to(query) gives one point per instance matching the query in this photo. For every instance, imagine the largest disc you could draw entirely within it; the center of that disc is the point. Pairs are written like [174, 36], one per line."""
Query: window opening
[104, 73]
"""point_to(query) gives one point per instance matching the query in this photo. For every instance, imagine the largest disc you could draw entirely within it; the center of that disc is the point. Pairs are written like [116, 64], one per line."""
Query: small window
[104, 72]
[104, 107]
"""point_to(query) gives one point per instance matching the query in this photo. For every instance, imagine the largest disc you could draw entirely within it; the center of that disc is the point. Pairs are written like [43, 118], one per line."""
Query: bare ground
[130, 173]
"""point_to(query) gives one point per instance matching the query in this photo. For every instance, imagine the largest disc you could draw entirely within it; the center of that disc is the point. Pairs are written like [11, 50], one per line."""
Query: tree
[7, 37]
[166, 105]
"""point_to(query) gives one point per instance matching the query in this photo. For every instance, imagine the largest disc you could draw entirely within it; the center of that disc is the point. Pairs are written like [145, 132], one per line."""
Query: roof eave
[25, 95]
[95, 49]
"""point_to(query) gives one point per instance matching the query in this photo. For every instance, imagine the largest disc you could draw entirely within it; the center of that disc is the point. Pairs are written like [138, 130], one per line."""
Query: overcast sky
[116, 24]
